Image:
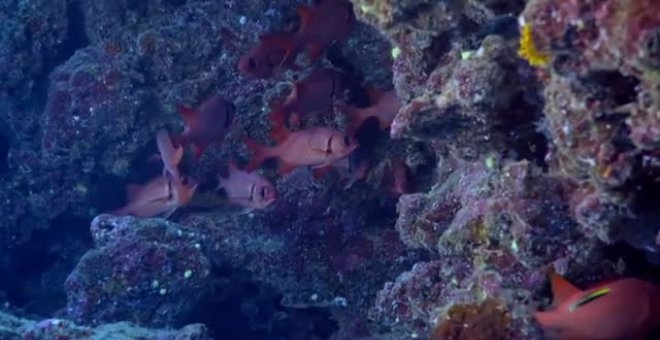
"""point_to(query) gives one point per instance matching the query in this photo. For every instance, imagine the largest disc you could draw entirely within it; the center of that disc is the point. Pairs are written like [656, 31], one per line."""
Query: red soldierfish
[316, 93]
[316, 147]
[208, 124]
[161, 195]
[385, 106]
[322, 25]
[269, 58]
[169, 154]
[247, 189]
[623, 309]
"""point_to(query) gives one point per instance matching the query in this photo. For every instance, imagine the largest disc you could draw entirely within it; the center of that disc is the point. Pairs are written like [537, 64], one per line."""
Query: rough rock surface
[517, 168]
[14, 328]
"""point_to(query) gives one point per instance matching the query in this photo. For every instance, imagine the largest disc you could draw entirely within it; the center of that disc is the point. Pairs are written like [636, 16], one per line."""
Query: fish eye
[262, 192]
[347, 141]
[252, 63]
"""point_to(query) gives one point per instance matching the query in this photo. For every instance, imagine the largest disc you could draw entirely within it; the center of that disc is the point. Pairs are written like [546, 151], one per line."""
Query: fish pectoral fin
[169, 213]
[159, 200]
[246, 211]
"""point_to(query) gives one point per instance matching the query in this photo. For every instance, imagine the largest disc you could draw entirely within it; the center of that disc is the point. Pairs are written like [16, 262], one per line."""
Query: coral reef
[153, 273]
[528, 128]
[494, 228]
[12, 327]
[485, 321]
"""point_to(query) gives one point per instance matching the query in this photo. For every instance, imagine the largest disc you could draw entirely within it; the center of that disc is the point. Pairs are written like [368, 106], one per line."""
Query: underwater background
[327, 169]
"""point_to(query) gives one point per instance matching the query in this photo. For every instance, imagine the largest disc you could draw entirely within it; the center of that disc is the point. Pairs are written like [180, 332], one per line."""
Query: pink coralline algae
[151, 274]
[530, 130]
[493, 229]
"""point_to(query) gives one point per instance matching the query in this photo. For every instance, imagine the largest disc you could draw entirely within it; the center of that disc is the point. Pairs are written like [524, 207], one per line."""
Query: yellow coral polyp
[528, 51]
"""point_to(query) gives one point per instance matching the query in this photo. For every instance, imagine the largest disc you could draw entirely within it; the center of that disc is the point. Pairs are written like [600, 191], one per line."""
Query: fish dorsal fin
[132, 190]
[561, 289]
[305, 14]
[188, 114]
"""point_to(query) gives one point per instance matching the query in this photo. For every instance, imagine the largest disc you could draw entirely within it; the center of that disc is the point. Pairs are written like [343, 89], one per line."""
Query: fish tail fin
[278, 131]
[356, 117]
[260, 154]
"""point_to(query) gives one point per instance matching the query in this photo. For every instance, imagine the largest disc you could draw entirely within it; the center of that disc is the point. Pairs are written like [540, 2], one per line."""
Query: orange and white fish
[161, 195]
[170, 155]
[247, 189]
[385, 106]
[627, 308]
[316, 147]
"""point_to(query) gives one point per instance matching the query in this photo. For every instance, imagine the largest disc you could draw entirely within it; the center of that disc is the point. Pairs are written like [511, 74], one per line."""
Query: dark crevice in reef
[637, 264]
[440, 45]
[521, 126]
[246, 311]
[36, 271]
[5, 142]
[75, 39]
[177, 3]
[106, 192]
[612, 86]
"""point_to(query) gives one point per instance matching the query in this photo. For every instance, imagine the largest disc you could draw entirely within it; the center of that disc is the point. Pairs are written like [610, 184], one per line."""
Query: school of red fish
[623, 309]
[319, 148]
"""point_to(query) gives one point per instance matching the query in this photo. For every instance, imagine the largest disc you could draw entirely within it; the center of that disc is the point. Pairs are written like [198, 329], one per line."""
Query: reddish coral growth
[486, 321]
